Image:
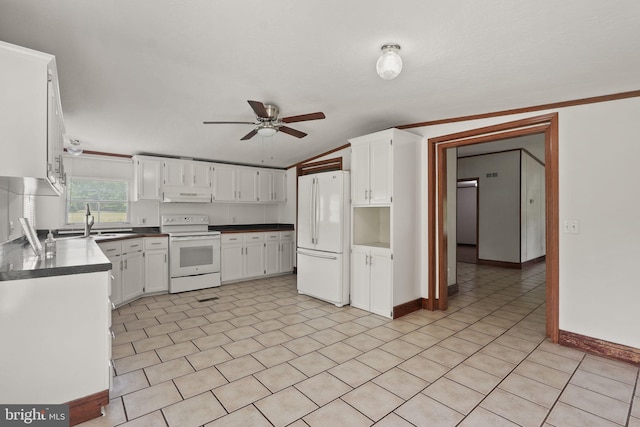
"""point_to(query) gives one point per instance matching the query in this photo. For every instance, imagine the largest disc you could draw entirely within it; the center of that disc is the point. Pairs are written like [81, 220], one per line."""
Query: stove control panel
[185, 219]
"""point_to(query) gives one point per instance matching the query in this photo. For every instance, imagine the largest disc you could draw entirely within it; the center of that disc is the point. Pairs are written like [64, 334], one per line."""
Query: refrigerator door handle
[312, 210]
[317, 214]
[316, 255]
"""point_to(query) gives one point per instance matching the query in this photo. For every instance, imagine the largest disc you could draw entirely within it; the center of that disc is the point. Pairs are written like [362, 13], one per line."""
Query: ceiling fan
[268, 123]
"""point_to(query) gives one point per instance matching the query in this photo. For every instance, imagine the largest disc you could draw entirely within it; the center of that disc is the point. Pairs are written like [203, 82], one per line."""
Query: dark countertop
[244, 228]
[73, 256]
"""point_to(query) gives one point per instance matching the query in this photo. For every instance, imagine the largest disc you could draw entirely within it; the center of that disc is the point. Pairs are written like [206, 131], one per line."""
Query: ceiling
[141, 76]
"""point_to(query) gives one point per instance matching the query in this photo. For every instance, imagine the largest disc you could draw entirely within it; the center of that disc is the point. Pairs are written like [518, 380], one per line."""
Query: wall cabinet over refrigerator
[385, 221]
[32, 124]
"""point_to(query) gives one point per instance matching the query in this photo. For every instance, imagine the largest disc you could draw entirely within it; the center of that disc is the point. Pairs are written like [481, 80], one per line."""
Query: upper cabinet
[235, 183]
[147, 178]
[372, 173]
[186, 181]
[272, 186]
[183, 180]
[32, 127]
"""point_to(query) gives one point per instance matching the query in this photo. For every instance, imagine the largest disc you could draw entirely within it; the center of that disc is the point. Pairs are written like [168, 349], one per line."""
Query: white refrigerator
[324, 207]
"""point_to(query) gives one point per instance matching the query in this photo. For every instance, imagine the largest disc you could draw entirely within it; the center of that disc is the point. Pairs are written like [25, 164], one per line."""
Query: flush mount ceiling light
[389, 64]
[74, 147]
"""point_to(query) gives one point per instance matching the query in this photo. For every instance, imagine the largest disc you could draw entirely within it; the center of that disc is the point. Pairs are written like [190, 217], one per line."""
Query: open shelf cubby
[372, 226]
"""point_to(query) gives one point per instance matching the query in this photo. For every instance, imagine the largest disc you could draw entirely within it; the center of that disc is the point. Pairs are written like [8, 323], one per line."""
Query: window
[107, 198]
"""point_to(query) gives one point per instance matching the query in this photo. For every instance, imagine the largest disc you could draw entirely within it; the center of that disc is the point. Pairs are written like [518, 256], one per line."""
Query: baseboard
[503, 264]
[600, 347]
[452, 289]
[88, 407]
[406, 308]
[534, 261]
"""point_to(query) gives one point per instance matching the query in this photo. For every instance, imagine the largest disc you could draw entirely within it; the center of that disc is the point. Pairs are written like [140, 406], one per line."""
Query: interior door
[329, 212]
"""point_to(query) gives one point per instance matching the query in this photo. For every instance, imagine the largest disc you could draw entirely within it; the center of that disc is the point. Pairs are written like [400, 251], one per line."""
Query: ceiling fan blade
[249, 135]
[258, 108]
[229, 123]
[303, 117]
[292, 132]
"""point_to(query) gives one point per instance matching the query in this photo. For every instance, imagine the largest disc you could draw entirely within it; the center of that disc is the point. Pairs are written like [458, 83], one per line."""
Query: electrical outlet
[571, 226]
[142, 220]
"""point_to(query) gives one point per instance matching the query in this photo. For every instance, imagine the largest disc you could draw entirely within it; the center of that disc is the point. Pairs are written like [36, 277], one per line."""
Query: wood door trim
[546, 124]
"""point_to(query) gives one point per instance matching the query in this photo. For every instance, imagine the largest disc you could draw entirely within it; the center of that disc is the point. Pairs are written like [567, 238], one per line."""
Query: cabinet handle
[165, 258]
[113, 306]
[156, 243]
[365, 194]
[366, 260]
[370, 260]
[125, 263]
[113, 278]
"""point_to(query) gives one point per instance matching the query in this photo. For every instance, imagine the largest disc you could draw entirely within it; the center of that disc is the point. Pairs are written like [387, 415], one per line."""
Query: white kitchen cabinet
[32, 124]
[372, 170]
[173, 173]
[132, 269]
[384, 220]
[186, 181]
[371, 288]
[55, 338]
[254, 259]
[231, 261]
[156, 265]
[113, 251]
[272, 252]
[247, 184]
[271, 186]
[147, 178]
[286, 251]
[235, 183]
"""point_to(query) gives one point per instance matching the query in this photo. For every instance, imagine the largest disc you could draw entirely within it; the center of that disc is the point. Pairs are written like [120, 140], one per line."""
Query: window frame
[126, 201]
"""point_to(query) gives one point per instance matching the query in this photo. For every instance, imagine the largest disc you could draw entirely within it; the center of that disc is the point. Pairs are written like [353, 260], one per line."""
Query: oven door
[194, 255]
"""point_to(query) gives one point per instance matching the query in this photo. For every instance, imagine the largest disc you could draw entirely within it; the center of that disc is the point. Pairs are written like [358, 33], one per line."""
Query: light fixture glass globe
[267, 131]
[74, 147]
[389, 64]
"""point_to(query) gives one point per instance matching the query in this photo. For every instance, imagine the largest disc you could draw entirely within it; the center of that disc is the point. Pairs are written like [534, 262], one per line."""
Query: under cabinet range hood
[186, 197]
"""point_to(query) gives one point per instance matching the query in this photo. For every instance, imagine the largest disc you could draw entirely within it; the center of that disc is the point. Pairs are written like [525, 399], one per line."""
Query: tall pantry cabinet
[385, 216]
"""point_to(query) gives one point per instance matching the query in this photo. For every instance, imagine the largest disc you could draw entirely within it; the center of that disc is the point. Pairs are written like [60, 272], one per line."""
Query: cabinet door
[265, 188]
[116, 280]
[231, 262]
[247, 185]
[380, 298]
[132, 276]
[254, 259]
[360, 276]
[200, 175]
[224, 183]
[147, 177]
[272, 258]
[286, 256]
[279, 184]
[360, 174]
[380, 172]
[173, 173]
[156, 271]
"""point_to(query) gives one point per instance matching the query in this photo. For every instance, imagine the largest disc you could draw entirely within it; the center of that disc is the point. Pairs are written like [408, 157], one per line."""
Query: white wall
[598, 152]
[499, 203]
[466, 215]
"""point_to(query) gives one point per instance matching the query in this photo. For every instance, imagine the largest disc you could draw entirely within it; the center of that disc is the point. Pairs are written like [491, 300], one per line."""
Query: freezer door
[329, 212]
[320, 275]
[305, 211]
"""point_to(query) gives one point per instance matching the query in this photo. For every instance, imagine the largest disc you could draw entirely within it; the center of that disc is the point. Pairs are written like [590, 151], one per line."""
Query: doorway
[467, 220]
[546, 125]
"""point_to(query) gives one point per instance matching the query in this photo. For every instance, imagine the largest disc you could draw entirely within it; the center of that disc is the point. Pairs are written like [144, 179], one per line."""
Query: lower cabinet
[156, 265]
[371, 280]
[139, 267]
[251, 255]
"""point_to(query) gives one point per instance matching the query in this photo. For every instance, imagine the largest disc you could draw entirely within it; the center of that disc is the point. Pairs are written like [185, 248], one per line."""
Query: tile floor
[262, 355]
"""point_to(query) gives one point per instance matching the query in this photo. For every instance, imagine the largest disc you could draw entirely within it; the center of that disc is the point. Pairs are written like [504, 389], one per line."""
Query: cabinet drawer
[151, 243]
[272, 236]
[231, 238]
[111, 249]
[132, 245]
[286, 235]
[253, 237]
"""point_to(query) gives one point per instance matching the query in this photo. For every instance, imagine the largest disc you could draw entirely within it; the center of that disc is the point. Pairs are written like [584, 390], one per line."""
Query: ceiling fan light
[389, 64]
[267, 131]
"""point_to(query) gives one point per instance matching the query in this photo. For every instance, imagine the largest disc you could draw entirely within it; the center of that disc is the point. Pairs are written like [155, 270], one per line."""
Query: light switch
[571, 226]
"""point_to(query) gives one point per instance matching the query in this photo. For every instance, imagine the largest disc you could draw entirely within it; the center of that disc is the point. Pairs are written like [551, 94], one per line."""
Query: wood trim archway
[437, 195]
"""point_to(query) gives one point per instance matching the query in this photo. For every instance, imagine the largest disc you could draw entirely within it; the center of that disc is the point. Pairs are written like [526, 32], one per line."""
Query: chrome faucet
[88, 223]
